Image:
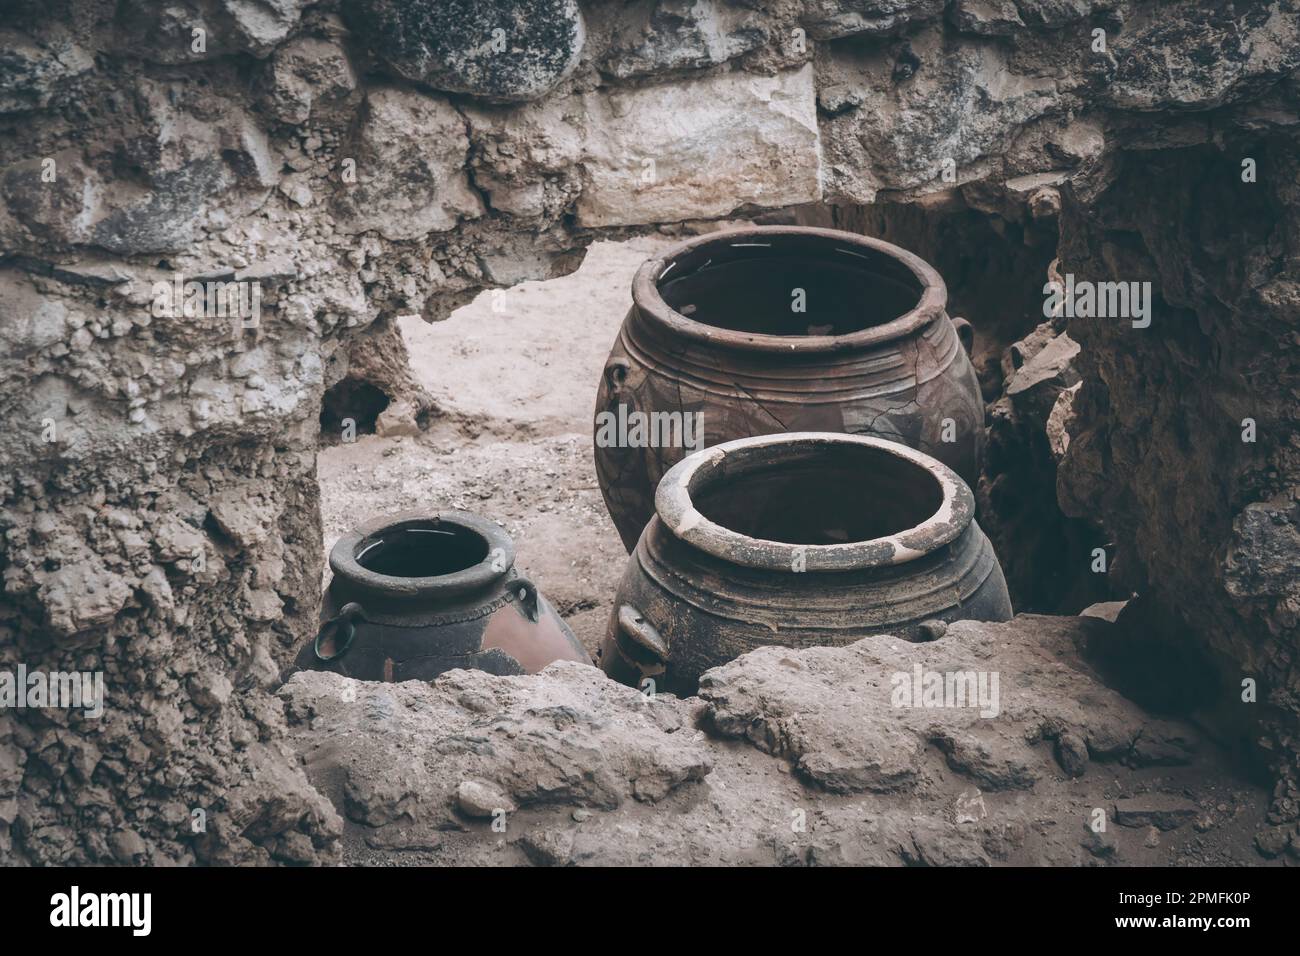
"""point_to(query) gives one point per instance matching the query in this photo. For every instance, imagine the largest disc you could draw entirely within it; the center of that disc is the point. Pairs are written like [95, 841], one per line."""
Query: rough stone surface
[663, 153]
[308, 73]
[410, 177]
[662, 36]
[1161, 811]
[1204, 521]
[491, 48]
[480, 800]
[903, 115]
[34, 70]
[788, 757]
[204, 29]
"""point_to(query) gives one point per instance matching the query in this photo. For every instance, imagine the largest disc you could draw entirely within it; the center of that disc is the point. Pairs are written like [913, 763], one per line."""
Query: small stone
[970, 807]
[479, 800]
[548, 847]
[580, 815]
[126, 846]
[1270, 842]
[1045, 203]
[1100, 845]
[932, 630]
[296, 191]
[1155, 809]
[210, 690]
[1105, 610]
[1058, 435]
[396, 420]
[1072, 753]
[1153, 838]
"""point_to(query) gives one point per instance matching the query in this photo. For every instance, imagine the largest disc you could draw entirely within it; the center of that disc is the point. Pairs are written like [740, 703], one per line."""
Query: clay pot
[797, 539]
[713, 330]
[417, 594]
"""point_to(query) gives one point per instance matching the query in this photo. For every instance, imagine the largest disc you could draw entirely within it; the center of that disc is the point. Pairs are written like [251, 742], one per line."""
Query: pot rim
[675, 508]
[500, 554]
[646, 299]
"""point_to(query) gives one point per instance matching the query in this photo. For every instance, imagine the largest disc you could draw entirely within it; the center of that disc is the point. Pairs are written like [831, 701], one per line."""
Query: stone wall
[355, 161]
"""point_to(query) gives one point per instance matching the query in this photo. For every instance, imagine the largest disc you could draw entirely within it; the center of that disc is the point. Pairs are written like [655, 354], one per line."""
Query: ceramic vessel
[797, 539]
[418, 594]
[781, 329]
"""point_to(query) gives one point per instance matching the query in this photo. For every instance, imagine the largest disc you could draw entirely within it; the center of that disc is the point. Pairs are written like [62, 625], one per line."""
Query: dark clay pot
[712, 330]
[418, 594]
[798, 540]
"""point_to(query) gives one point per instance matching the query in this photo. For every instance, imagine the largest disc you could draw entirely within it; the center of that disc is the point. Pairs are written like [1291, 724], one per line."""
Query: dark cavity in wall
[995, 258]
[351, 399]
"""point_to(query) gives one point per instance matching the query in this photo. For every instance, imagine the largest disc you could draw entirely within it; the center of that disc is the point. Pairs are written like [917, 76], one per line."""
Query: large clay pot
[797, 539]
[417, 594]
[714, 331]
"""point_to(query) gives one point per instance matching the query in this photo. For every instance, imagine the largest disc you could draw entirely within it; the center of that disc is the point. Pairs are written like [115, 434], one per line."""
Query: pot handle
[340, 624]
[638, 638]
[525, 592]
[616, 370]
[965, 332]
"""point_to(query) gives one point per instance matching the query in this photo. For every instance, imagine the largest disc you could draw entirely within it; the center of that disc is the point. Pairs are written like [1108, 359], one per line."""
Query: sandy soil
[515, 373]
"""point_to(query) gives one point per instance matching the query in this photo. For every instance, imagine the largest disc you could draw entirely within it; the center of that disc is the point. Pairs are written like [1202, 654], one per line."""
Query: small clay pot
[783, 329]
[418, 594]
[798, 540]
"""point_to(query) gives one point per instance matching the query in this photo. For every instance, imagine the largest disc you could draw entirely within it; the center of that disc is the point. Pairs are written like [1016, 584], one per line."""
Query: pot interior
[820, 494]
[758, 284]
[422, 549]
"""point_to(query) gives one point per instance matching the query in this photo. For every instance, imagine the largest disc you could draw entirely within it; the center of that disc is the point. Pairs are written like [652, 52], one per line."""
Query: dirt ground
[515, 373]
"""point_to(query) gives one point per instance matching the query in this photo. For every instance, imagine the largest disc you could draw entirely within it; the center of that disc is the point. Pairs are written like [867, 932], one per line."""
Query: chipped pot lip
[675, 508]
[647, 300]
[343, 557]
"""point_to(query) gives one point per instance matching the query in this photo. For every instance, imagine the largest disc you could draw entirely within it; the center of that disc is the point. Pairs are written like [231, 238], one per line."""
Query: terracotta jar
[782, 329]
[417, 594]
[797, 539]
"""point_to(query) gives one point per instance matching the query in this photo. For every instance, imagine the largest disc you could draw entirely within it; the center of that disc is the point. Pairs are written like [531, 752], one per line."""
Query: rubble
[567, 767]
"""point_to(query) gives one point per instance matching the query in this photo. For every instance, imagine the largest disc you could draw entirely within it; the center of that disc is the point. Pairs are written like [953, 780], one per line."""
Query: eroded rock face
[308, 73]
[910, 116]
[655, 154]
[204, 29]
[34, 69]
[787, 757]
[410, 168]
[1184, 397]
[352, 163]
[497, 50]
[660, 36]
